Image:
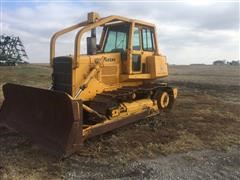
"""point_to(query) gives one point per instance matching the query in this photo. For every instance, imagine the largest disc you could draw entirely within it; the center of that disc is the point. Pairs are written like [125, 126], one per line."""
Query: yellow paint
[114, 72]
[139, 105]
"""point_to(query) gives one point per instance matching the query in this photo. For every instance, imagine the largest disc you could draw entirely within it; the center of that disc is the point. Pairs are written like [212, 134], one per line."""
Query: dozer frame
[94, 93]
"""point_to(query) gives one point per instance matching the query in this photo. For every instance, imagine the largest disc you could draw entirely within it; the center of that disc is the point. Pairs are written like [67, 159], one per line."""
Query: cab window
[136, 39]
[117, 38]
[147, 39]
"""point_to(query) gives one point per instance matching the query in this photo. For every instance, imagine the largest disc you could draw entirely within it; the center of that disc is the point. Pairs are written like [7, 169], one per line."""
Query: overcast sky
[192, 31]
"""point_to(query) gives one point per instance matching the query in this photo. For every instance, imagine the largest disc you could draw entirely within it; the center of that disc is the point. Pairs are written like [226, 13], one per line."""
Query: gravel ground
[205, 164]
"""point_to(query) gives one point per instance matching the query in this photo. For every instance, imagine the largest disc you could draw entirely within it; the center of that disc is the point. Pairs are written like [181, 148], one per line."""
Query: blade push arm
[92, 74]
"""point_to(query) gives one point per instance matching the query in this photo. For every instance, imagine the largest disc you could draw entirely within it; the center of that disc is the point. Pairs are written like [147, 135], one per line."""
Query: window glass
[153, 40]
[121, 41]
[136, 62]
[147, 37]
[144, 38]
[136, 39]
[149, 40]
[111, 41]
[117, 38]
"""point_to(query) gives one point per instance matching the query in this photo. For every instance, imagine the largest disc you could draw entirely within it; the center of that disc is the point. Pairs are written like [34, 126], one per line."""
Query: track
[107, 101]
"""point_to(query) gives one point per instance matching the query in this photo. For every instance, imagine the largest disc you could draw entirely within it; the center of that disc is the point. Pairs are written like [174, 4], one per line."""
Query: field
[198, 139]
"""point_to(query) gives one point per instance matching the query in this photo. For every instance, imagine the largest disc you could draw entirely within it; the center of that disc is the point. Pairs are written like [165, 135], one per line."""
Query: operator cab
[135, 44]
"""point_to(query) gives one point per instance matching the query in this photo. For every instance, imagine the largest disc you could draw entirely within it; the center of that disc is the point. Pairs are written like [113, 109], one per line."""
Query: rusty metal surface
[49, 118]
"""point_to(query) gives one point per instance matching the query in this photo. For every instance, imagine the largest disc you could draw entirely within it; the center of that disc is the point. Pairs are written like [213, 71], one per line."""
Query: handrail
[88, 28]
[59, 33]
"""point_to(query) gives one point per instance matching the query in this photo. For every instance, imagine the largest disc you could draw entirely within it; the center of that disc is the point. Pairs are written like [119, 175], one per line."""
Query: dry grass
[206, 115]
[32, 75]
[206, 74]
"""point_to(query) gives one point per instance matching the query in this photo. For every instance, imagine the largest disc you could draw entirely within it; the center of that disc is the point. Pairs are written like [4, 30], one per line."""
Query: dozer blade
[50, 118]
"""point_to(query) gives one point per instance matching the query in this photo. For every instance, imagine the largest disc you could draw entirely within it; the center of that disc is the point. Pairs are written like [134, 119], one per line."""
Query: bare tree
[12, 50]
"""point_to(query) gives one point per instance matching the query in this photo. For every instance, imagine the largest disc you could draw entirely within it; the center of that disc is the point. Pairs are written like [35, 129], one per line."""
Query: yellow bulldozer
[112, 85]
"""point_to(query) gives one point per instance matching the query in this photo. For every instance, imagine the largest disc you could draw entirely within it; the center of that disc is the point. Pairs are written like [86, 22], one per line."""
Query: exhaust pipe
[92, 43]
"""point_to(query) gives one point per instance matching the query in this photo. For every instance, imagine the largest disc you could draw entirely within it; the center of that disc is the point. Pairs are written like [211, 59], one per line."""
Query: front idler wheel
[164, 100]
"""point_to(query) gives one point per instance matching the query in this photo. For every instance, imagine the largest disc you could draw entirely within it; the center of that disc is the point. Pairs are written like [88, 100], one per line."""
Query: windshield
[117, 38]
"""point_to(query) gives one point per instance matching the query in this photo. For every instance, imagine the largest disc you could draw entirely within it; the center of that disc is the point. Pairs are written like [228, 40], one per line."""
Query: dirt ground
[198, 139]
